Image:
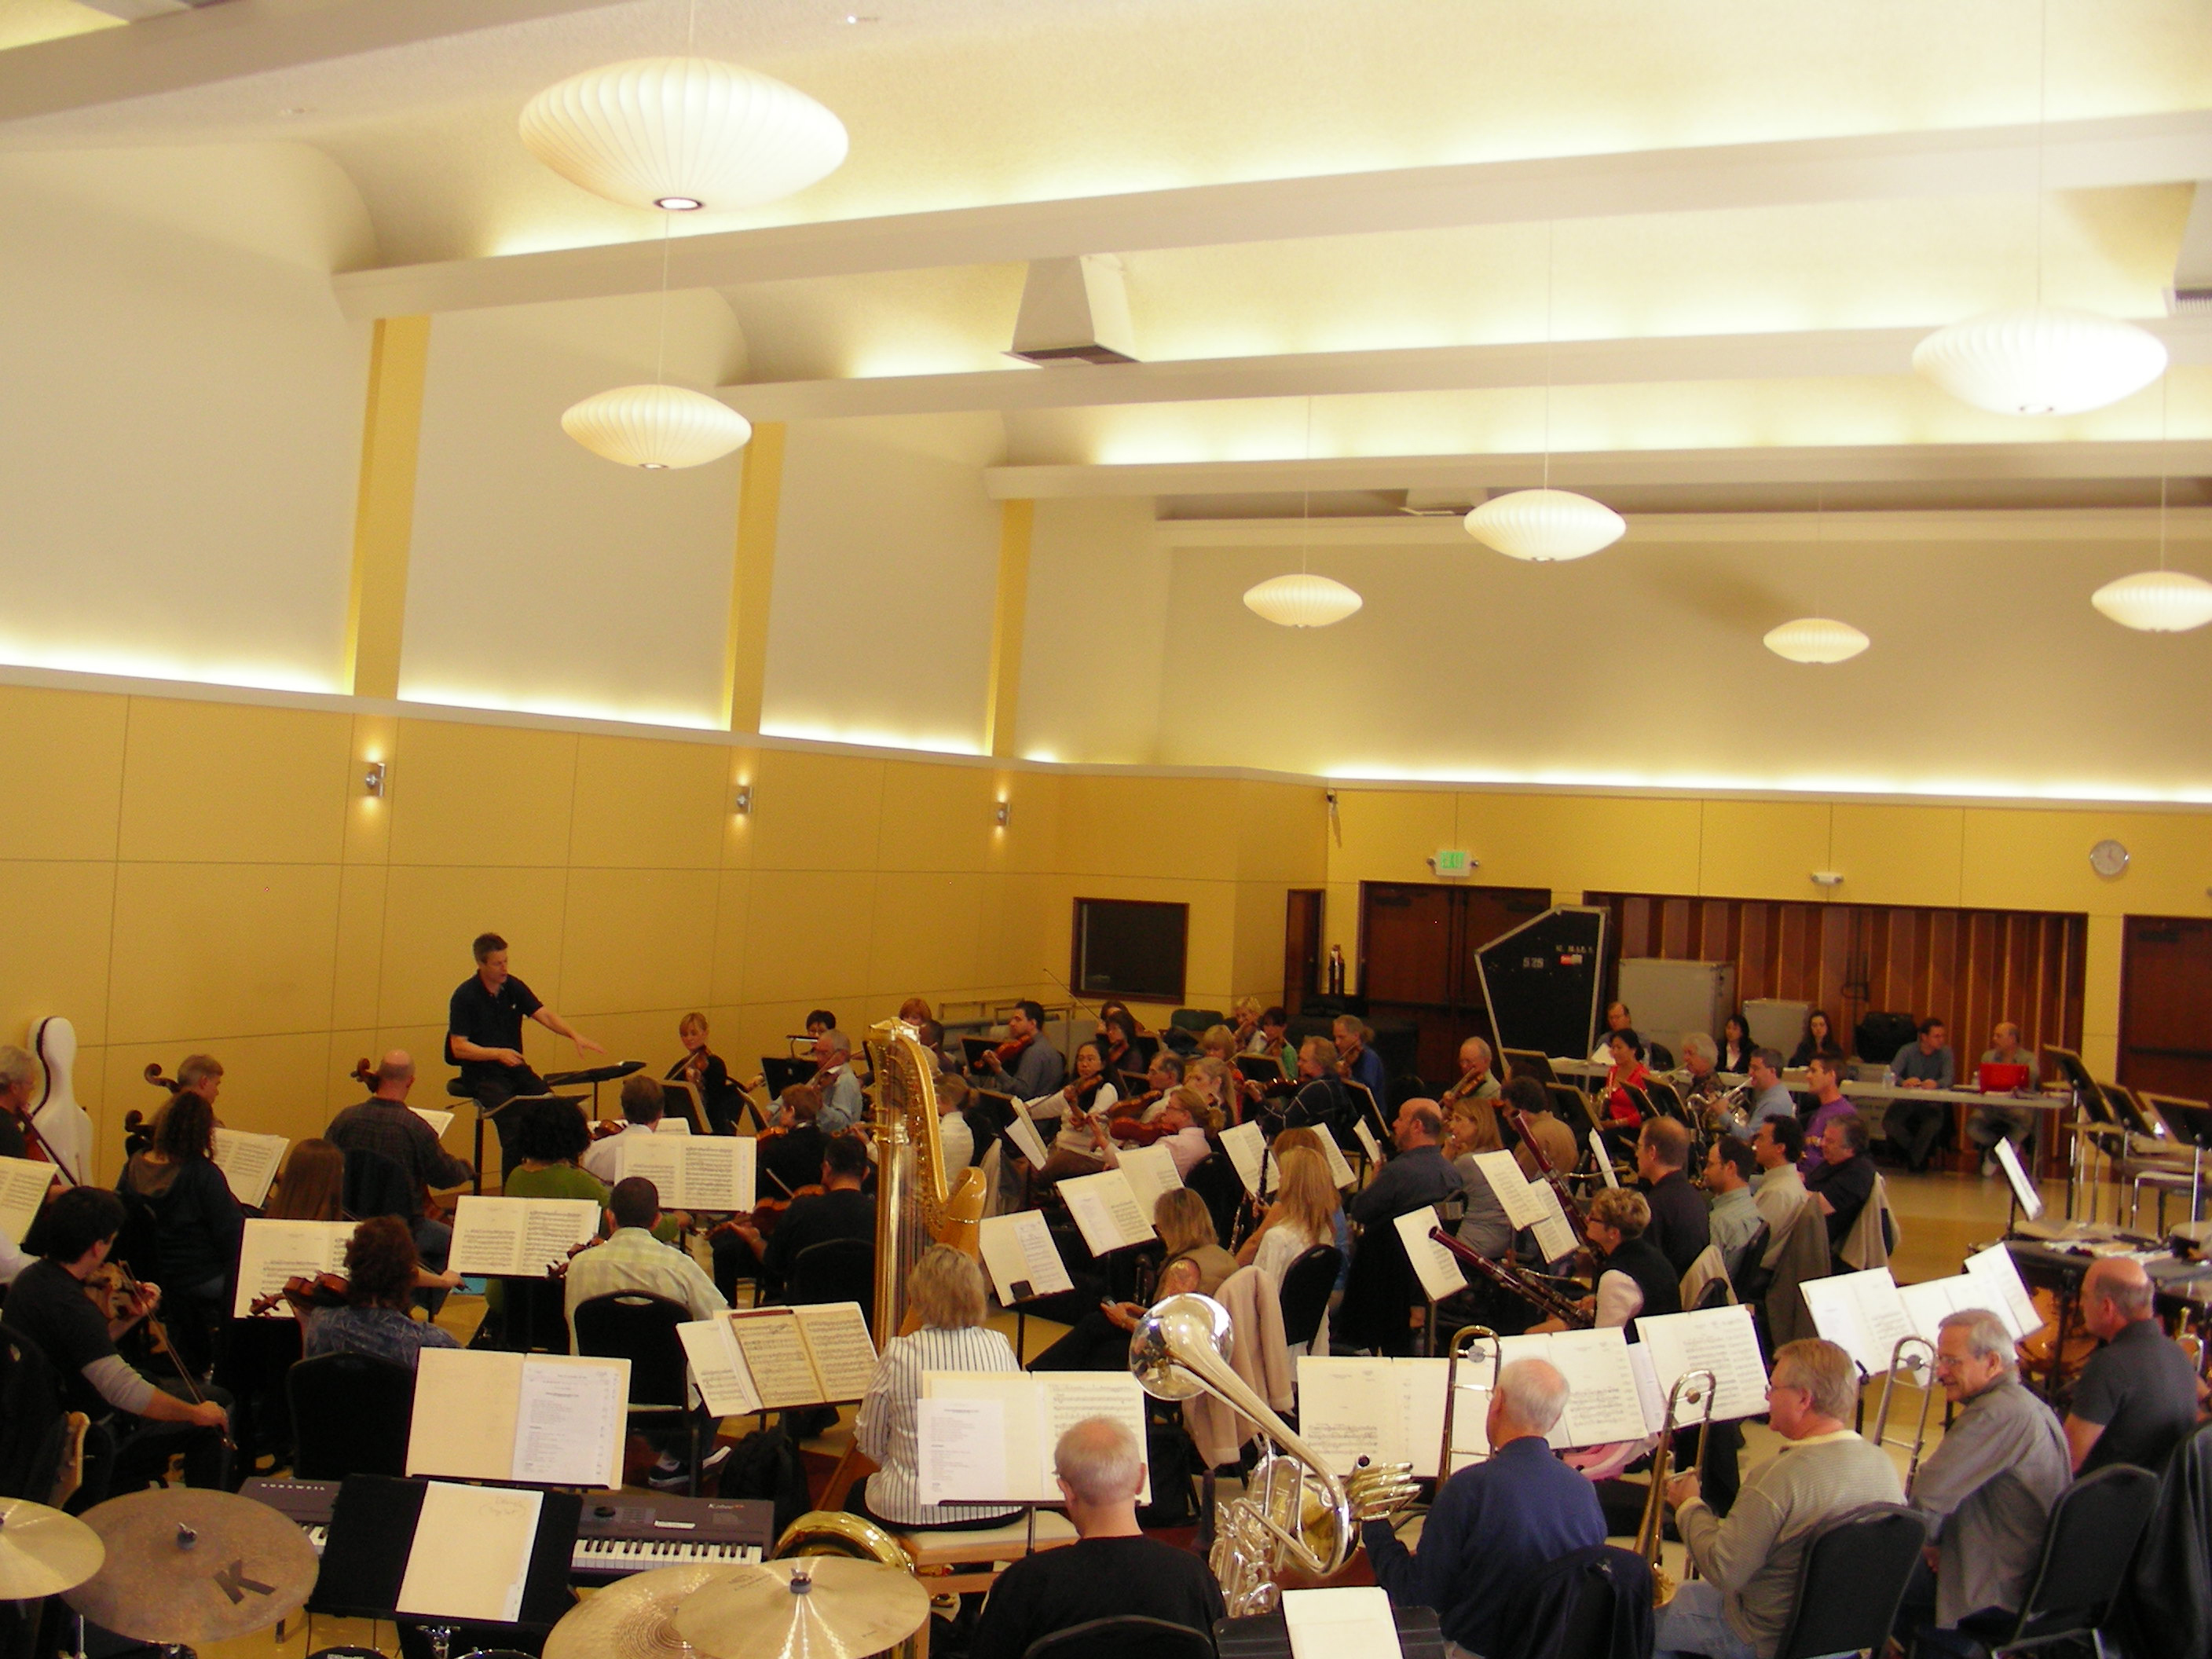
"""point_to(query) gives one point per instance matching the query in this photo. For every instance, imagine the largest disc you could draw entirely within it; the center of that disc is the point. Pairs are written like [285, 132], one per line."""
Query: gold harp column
[1017, 522]
[384, 510]
[744, 650]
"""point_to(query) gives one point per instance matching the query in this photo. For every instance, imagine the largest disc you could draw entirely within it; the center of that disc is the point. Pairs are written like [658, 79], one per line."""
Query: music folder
[974, 1049]
[23, 1183]
[380, 1524]
[1260, 1069]
[779, 1073]
[535, 1419]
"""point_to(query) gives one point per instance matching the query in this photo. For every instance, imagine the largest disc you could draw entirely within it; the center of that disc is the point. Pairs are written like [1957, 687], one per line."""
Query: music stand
[2190, 1122]
[1266, 1636]
[2089, 1100]
[779, 1073]
[679, 1095]
[1260, 1069]
[1533, 1062]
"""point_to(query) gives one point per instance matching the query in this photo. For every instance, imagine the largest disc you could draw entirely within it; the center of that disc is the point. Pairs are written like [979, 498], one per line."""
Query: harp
[915, 1206]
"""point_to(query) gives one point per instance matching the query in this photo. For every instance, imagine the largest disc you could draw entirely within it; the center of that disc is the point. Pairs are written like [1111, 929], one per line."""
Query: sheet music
[1367, 1144]
[1649, 1394]
[1996, 1271]
[776, 1358]
[1073, 1397]
[1247, 1150]
[462, 1426]
[248, 1163]
[1927, 1303]
[718, 1370]
[1604, 1158]
[2023, 1189]
[1860, 1313]
[961, 1448]
[1034, 1411]
[1389, 1411]
[1340, 1172]
[1023, 1260]
[1602, 1403]
[438, 1121]
[271, 1252]
[570, 1421]
[1722, 1340]
[470, 1557]
[1329, 1624]
[1555, 1235]
[1438, 1268]
[709, 1173]
[517, 1237]
[23, 1186]
[1105, 1209]
[1514, 1190]
[1150, 1171]
[844, 1354]
[1022, 1130]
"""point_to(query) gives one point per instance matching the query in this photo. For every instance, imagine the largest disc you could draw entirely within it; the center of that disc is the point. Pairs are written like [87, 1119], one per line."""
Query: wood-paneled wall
[1970, 968]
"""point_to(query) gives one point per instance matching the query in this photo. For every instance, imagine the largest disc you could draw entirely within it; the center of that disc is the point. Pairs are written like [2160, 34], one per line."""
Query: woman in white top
[1079, 1147]
[1302, 1215]
[946, 1293]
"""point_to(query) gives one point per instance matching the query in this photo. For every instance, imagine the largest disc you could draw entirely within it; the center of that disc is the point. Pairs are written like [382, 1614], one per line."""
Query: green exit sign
[1451, 861]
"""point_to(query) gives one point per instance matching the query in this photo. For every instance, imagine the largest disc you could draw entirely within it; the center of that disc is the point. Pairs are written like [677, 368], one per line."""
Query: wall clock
[2108, 858]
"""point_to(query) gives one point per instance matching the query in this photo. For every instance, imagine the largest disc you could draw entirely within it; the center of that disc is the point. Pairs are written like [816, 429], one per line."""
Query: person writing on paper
[945, 1294]
[1736, 1219]
[1302, 1218]
[1680, 1224]
[1494, 1524]
[1417, 1173]
[840, 1210]
[1111, 1570]
[384, 1125]
[1842, 1182]
[2136, 1400]
[644, 1104]
[483, 1037]
[1915, 1127]
[48, 1304]
[1194, 1260]
[196, 1224]
[381, 1273]
[1990, 1124]
[1770, 1098]
[1750, 1561]
[1988, 1486]
[1824, 1078]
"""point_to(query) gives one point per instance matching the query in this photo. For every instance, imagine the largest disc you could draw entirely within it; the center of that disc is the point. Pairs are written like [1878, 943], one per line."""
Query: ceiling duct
[1453, 503]
[1074, 311]
[137, 11]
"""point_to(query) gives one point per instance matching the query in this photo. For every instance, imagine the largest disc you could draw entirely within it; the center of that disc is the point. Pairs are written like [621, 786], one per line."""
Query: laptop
[1999, 1080]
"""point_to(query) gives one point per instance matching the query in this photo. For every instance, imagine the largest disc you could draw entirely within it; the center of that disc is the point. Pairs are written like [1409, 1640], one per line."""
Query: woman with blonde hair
[311, 1187]
[1303, 1216]
[1472, 1128]
[1194, 1261]
[945, 1292]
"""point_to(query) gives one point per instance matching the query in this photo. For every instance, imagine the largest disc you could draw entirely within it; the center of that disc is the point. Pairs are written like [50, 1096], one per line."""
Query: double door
[1417, 960]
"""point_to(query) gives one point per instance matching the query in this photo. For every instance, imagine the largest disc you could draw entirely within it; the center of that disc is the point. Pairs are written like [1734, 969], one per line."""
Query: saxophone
[1296, 1514]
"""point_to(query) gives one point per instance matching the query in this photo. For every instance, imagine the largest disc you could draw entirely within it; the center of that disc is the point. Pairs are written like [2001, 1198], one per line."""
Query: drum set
[173, 1567]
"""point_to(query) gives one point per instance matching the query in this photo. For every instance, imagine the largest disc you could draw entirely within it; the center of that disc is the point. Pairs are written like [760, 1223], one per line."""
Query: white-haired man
[1476, 1080]
[1111, 1568]
[1990, 1484]
[1495, 1522]
[842, 1102]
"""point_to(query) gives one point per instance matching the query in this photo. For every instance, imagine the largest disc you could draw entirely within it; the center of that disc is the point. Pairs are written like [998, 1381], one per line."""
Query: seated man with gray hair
[1496, 1523]
[1989, 1485]
[1112, 1570]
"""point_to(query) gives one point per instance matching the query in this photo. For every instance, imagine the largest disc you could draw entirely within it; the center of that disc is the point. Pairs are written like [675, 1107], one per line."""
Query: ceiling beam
[1817, 353]
[206, 44]
[2077, 156]
[2008, 525]
[1477, 474]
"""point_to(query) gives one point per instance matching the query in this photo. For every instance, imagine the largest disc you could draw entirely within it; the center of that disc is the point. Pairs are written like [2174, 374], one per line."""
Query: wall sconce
[372, 780]
[742, 804]
[1827, 878]
[1004, 815]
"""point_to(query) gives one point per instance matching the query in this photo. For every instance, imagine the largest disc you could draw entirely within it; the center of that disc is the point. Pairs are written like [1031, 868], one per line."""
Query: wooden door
[2166, 1005]
[1417, 960]
[1300, 948]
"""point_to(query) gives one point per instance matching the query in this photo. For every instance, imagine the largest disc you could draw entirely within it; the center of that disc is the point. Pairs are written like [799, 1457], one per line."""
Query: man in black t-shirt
[1111, 1568]
[840, 1210]
[47, 1303]
[1843, 1180]
[484, 1038]
[2136, 1400]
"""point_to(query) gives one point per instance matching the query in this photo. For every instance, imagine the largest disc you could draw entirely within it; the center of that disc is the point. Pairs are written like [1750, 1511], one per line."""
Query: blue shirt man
[1495, 1522]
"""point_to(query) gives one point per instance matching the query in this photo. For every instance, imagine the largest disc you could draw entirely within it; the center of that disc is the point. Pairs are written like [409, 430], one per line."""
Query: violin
[303, 1293]
[560, 1269]
[111, 1279]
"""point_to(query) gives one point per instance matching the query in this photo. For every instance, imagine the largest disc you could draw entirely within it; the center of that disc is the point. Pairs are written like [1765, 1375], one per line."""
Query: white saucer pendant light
[1302, 601]
[1546, 526]
[2157, 601]
[2040, 360]
[656, 427]
[682, 134]
[1816, 639]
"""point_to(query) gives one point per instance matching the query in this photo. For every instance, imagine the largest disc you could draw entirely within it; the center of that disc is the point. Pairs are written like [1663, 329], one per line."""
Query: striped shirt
[634, 1259]
[886, 1424]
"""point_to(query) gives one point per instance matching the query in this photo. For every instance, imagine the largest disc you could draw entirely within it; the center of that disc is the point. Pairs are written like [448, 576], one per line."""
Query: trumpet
[1924, 1372]
[1463, 1339]
[1526, 1286]
[1698, 1387]
[1296, 1514]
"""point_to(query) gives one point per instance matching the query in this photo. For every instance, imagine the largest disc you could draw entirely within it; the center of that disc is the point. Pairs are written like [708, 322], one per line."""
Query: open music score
[1530, 1204]
[1022, 1130]
[988, 1436]
[758, 1360]
[708, 1173]
[1604, 1158]
[1722, 1340]
[1021, 1258]
[1866, 1314]
[517, 1237]
[2023, 1189]
[1367, 1144]
[1437, 1267]
[248, 1163]
[271, 1252]
[23, 1184]
[537, 1419]
[1247, 1147]
[1105, 1209]
[438, 1121]
[1150, 1173]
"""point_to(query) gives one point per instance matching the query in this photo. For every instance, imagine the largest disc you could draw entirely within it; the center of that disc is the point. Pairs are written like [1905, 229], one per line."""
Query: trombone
[1924, 1372]
[1697, 1389]
[1462, 1340]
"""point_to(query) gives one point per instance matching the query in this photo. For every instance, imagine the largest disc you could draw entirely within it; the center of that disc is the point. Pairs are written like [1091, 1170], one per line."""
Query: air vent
[2194, 301]
[1074, 311]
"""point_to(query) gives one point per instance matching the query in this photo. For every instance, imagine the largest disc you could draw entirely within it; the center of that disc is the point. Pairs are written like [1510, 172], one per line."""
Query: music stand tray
[1266, 1636]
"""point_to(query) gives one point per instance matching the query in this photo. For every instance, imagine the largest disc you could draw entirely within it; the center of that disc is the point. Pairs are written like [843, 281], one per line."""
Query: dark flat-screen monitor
[1540, 981]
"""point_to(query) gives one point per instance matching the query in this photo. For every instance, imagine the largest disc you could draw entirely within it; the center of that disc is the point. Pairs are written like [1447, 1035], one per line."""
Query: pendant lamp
[1302, 601]
[2157, 601]
[1546, 526]
[1816, 639]
[2040, 360]
[682, 134]
[656, 427]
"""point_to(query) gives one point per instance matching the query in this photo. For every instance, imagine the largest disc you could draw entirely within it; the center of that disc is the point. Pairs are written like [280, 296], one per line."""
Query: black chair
[1381, 1297]
[1306, 1283]
[1592, 1603]
[1124, 1635]
[533, 1316]
[350, 1416]
[835, 1270]
[376, 1185]
[642, 1328]
[32, 1428]
[1214, 1179]
[1851, 1580]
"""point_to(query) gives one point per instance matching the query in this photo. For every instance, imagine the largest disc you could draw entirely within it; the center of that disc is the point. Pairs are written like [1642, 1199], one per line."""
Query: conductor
[484, 1038]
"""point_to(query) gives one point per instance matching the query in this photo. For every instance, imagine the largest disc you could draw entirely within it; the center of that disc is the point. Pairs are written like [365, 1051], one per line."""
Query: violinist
[1085, 1108]
[311, 1187]
[1167, 1072]
[840, 1210]
[1355, 1061]
[384, 1125]
[51, 1303]
[644, 1105]
[1185, 1118]
[196, 1223]
[1475, 1081]
[380, 1279]
[1117, 1029]
[702, 1068]
[1321, 1102]
[1024, 1065]
[1244, 1020]
[790, 1149]
[1275, 1040]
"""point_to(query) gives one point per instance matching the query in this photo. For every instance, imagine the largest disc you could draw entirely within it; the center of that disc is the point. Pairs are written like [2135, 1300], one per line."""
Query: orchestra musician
[1472, 1128]
[311, 1187]
[201, 1075]
[1355, 1061]
[1616, 1019]
[1699, 1069]
[1769, 1097]
[1626, 1050]
[1194, 1260]
[383, 1124]
[1244, 1022]
[1083, 1108]
[381, 1273]
[1680, 1222]
[843, 1102]
[1322, 1101]
[1417, 1173]
[196, 1223]
[1302, 1217]
[789, 1150]
[19, 1081]
[1275, 1040]
[1476, 1081]
[484, 1038]
[644, 1104]
[1118, 1027]
[1824, 1079]
[2136, 1400]
[1842, 1182]
[1025, 1065]
[1734, 1051]
[840, 1210]
[1633, 1278]
[702, 1068]
[1735, 1220]
[1778, 1189]
[1527, 1098]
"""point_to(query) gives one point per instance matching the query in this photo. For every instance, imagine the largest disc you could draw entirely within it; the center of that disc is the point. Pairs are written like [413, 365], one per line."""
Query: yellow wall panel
[2169, 864]
[637, 940]
[1898, 854]
[60, 917]
[742, 767]
[272, 1085]
[936, 817]
[1762, 848]
[63, 752]
[1282, 832]
[234, 784]
[1388, 832]
[646, 804]
[430, 916]
[1572, 844]
[815, 812]
[733, 893]
[481, 795]
[2038, 860]
[359, 962]
[806, 934]
[925, 935]
[1258, 965]
[1022, 929]
[222, 950]
[1031, 845]
[1176, 829]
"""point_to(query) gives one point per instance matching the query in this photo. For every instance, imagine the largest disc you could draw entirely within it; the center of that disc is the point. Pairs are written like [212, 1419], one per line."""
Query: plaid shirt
[390, 1127]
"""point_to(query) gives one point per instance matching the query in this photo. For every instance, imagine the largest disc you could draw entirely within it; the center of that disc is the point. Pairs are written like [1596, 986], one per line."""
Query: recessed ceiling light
[678, 203]
[857, 17]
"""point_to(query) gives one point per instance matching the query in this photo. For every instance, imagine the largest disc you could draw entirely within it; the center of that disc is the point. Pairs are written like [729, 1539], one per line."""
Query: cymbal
[808, 1607]
[633, 1617]
[44, 1552]
[186, 1565]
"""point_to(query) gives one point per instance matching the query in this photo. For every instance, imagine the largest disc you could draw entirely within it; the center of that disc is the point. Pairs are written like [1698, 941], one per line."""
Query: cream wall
[1098, 634]
[203, 874]
[1977, 857]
